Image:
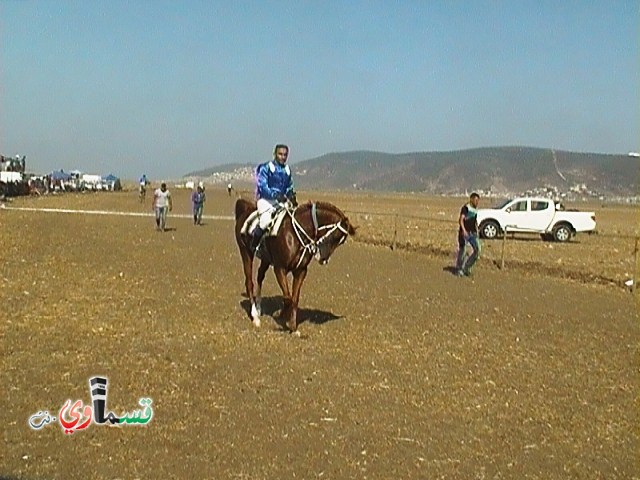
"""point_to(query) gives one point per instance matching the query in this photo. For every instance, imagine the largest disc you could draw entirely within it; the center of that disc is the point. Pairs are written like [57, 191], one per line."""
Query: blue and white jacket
[273, 180]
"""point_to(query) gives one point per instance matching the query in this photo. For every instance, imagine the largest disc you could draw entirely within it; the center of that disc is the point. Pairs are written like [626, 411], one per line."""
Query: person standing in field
[198, 198]
[161, 203]
[468, 235]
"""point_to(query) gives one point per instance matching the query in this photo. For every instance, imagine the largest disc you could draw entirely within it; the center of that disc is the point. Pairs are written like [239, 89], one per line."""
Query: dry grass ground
[402, 371]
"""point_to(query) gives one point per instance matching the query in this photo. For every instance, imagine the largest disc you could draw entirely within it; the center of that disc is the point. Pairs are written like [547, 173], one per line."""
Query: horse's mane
[336, 210]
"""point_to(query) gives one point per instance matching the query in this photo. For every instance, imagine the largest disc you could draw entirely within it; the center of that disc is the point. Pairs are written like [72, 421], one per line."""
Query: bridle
[312, 245]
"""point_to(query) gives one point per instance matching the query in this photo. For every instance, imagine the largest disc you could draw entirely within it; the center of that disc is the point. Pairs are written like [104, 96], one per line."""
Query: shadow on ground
[272, 306]
[450, 269]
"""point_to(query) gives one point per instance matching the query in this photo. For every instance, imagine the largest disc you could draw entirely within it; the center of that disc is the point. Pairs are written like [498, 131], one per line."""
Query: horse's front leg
[256, 307]
[281, 276]
[298, 279]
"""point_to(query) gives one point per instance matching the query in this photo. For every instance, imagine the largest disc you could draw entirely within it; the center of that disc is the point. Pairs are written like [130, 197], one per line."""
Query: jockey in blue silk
[274, 186]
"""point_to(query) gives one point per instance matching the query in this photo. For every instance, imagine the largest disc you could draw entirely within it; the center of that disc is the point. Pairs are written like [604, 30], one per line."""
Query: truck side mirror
[508, 210]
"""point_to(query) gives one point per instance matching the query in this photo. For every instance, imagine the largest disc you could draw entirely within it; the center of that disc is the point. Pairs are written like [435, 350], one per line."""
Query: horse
[312, 230]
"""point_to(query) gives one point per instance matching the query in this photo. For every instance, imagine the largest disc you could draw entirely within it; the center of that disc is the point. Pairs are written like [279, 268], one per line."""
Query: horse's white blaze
[256, 322]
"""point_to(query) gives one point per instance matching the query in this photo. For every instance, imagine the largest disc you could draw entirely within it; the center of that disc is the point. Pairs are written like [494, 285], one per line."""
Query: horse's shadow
[273, 305]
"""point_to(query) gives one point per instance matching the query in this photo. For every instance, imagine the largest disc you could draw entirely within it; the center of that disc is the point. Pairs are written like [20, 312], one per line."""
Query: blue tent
[113, 181]
[60, 175]
[110, 178]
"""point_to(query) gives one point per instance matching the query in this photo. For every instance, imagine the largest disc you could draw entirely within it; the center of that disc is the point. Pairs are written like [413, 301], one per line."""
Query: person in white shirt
[161, 203]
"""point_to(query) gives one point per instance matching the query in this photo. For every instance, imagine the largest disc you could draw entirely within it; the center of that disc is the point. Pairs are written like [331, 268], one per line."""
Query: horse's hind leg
[262, 270]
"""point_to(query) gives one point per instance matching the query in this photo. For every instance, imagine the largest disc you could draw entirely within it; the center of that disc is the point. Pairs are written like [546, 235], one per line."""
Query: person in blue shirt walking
[274, 186]
[198, 198]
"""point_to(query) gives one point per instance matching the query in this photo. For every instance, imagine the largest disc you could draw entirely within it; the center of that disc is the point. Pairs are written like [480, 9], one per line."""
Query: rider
[274, 185]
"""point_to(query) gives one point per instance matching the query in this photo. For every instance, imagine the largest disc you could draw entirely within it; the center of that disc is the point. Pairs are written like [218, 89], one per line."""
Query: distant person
[198, 198]
[468, 235]
[229, 188]
[161, 203]
[274, 186]
[142, 189]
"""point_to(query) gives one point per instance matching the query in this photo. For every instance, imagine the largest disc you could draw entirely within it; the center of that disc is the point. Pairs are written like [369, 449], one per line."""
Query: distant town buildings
[243, 174]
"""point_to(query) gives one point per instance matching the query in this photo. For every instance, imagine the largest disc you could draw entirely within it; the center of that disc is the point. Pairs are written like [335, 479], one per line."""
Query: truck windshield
[503, 204]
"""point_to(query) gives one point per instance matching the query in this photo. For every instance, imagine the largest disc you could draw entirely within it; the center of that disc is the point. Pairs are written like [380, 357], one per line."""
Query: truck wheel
[562, 233]
[489, 229]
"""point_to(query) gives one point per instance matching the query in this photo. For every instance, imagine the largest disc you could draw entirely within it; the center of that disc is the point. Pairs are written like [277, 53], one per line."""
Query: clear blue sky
[165, 87]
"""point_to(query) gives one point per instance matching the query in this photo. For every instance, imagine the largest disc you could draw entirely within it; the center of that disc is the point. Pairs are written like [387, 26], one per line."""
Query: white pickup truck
[534, 215]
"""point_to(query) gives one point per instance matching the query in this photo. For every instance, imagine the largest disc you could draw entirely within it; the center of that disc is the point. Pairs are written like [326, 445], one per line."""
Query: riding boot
[255, 239]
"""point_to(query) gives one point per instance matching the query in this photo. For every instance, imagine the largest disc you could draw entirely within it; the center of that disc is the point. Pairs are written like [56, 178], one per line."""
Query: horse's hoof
[296, 333]
[256, 322]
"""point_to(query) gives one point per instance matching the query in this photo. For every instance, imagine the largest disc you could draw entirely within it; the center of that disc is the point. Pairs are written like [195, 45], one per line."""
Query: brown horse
[312, 230]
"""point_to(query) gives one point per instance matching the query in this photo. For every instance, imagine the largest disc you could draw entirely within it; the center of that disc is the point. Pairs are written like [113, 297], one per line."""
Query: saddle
[272, 229]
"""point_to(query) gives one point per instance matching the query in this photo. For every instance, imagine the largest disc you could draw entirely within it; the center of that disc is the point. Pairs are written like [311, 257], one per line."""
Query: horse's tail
[243, 207]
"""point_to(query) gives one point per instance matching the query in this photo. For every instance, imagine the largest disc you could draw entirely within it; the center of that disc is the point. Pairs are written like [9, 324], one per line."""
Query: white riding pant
[265, 211]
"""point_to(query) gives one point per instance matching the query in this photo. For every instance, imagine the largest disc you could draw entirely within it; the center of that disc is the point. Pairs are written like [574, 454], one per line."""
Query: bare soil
[402, 371]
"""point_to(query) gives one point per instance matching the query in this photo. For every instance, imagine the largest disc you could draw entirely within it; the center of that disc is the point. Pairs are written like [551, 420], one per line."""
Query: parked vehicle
[12, 178]
[534, 215]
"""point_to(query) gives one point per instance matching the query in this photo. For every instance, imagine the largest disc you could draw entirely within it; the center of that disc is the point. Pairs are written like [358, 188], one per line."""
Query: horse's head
[333, 230]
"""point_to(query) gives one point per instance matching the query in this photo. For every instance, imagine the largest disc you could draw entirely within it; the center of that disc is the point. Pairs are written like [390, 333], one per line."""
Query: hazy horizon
[165, 88]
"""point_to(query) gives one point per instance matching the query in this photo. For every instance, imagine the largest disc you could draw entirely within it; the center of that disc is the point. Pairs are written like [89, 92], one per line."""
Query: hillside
[496, 169]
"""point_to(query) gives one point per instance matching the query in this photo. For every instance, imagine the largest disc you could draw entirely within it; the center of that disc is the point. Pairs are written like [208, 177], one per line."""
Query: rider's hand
[293, 199]
[281, 198]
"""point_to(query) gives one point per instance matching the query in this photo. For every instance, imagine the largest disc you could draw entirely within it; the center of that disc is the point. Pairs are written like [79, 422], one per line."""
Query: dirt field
[402, 371]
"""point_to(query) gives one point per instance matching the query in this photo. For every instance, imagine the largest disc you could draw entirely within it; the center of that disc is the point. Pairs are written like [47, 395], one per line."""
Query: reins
[311, 245]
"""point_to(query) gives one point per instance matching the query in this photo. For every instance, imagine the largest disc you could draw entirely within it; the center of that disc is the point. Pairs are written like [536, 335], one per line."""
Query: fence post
[395, 232]
[504, 241]
[634, 285]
